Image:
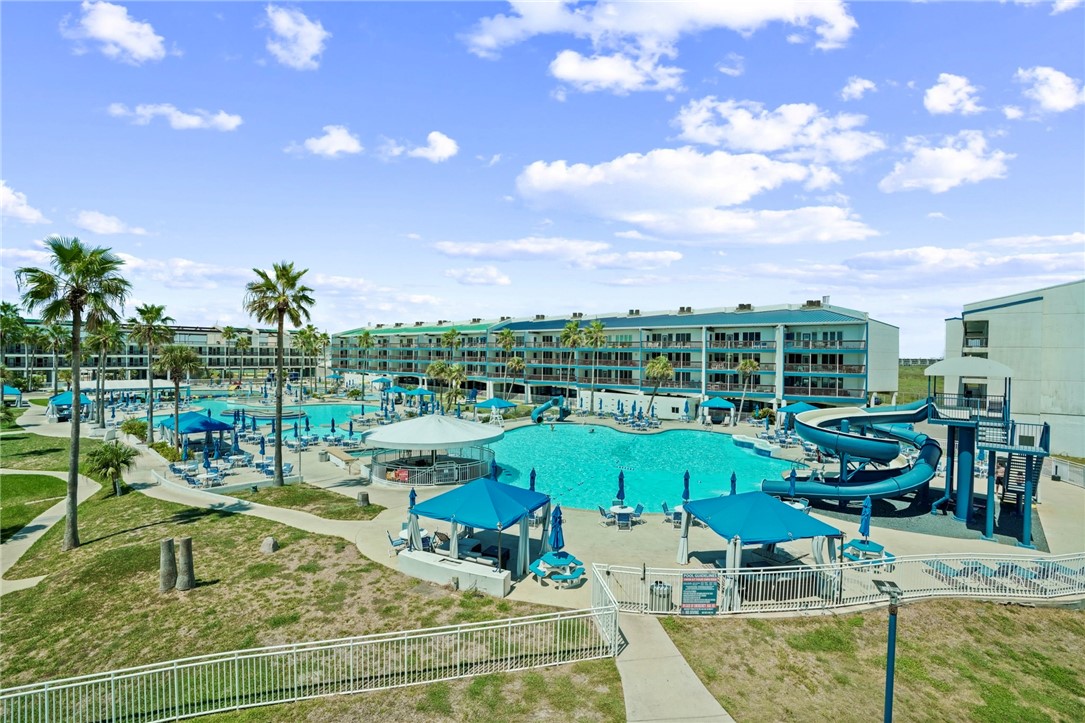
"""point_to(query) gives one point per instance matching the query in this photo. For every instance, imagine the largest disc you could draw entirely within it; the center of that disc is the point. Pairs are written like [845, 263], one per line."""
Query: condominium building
[222, 360]
[1040, 335]
[815, 352]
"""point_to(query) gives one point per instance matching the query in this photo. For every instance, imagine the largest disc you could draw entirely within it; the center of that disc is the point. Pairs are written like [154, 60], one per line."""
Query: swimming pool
[578, 465]
[320, 415]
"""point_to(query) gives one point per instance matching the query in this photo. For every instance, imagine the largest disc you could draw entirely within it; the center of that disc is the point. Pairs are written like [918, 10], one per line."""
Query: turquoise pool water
[579, 467]
[320, 415]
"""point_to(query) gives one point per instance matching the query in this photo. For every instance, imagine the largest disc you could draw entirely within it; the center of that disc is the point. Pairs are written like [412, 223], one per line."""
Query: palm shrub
[177, 362]
[658, 371]
[746, 368]
[111, 460]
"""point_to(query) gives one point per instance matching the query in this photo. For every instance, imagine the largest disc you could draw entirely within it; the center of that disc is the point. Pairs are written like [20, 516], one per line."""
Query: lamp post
[890, 588]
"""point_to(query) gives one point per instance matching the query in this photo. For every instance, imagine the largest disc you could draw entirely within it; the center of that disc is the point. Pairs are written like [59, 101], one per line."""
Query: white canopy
[968, 366]
[433, 431]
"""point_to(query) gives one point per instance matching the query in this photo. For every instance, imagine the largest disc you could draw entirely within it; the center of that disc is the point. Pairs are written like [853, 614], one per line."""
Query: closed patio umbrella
[262, 447]
[297, 429]
[621, 486]
[350, 429]
[306, 423]
[333, 425]
[864, 519]
[734, 483]
[685, 487]
[531, 483]
[206, 457]
[791, 483]
[254, 422]
[235, 448]
[412, 497]
[184, 449]
[557, 534]
[273, 425]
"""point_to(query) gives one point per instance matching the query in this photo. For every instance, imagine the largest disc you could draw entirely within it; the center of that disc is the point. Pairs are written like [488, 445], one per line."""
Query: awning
[495, 403]
[193, 422]
[757, 519]
[484, 503]
[797, 408]
[716, 403]
[64, 399]
[434, 431]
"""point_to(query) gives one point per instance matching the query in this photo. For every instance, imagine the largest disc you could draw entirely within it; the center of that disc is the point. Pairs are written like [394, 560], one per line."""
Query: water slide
[554, 402]
[839, 430]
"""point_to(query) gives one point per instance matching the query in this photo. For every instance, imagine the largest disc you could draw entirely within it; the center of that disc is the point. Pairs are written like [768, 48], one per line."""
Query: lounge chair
[1048, 569]
[397, 545]
[667, 514]
[625, 521]
[637, 514]
[608, 517]
[947, 573]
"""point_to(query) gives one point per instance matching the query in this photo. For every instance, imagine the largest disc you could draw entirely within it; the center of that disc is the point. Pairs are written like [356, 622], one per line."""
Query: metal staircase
[991, 434]
[1016, 474]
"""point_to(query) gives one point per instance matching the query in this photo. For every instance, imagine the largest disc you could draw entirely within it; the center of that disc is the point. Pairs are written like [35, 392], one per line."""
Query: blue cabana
[60, 406]
[193, 422]
[717, 403]
[64, 399]
[754, 518]
[495, 403]
[796, 408]
[13, 392]
[485, 504]
[382, 382]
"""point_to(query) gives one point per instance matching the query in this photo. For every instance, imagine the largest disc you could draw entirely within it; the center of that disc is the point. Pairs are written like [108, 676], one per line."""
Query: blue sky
[448, 160]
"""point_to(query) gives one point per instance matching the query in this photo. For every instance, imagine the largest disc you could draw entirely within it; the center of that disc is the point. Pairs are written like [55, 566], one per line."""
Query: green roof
[463, 328]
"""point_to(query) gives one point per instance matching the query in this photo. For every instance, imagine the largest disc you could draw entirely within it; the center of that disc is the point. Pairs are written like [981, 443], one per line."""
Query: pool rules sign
[699, 594]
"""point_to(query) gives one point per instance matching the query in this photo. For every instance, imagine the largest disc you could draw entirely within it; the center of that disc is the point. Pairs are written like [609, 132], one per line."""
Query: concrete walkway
[657, 682]
[17, 545]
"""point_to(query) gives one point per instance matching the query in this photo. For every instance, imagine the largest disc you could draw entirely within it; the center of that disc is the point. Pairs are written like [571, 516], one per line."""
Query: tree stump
[186, 576]
[167, 566]
[363, 499]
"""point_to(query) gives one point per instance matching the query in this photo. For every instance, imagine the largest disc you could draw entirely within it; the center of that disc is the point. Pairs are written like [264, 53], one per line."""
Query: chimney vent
[505, 318]
[399, 324]
[685, 309]
[540, 317]
[380, 326]
[578, 314]
[745, 307]
[476, 320]
[419, 323]
[634, 312]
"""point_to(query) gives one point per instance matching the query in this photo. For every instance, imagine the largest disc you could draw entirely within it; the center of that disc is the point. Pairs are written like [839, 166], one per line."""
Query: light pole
[890, 588]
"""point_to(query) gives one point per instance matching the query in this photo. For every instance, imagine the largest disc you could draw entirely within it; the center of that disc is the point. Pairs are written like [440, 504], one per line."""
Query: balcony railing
[824, 392]
[826, 368]
[671, 345]
[843, 344]
[975, 342]
[736, 344]
[733, 366]
[969, 406]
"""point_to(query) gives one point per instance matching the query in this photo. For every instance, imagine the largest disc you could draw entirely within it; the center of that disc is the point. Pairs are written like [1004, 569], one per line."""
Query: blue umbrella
[112, 412]
[531, 485]
[412, 497]
[350, 428]
[244, 419]
[687, 408]
[265, 391]
[734, 483]
[864, 519]
[766, 422]
[640, 414]
[184, 450]
[306, 424]
[632, 409]
[621, 486]
[685, 486]
[273, 425]
[235, 448]
[218, 450]
[333, 425]
[791, 483]
[494, 471]
[600, 404]
[557, 535]
[297, 429]
[254, 422]
[206, 457]
[262, 447]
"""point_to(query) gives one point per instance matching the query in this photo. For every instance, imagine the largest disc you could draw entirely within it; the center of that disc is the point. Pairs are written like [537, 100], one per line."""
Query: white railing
[284, 673]
[836, 585]
[606, 609]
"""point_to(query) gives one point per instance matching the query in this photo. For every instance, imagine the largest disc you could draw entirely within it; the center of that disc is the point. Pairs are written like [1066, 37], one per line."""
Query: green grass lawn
[35, 452]
[956, 661]
[16, 412]
[25, 496]
[913, 384]
[330, 505]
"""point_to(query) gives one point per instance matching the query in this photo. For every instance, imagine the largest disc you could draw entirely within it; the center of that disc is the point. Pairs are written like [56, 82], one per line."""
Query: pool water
[320, 415]
[578, 465]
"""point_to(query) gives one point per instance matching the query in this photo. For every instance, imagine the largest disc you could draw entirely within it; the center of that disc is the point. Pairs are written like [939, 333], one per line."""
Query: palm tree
[303, 341]
[272, 299]
[33, 339]
[746, 369]
[438, 370]
[515, 365]
[453, 341]
[658, 370]
[506, 340]
[323, 341]
[456, 377]
[243, 345]
[365, 343]
[571, 338]
[150, 327]
[229, 336]
[177, 362]
[110, 460]
[12, 324]
[82, 279]
[595, 337]
[56, 341]
[105, 336]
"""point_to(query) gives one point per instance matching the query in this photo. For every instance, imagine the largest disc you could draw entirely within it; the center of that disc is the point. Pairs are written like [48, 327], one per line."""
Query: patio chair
[288, 468]
[948, 574]
[666, 513]
[396, 545]
[625, 521]
[537, 518]
[176, 470]
[608, 517]
[637, 513]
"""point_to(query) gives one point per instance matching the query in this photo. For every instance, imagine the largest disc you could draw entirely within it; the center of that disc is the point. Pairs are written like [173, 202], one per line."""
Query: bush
[167, 450]
[135, 427]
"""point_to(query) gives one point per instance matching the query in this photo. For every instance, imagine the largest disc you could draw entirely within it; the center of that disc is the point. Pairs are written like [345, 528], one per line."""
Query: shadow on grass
[185, 517]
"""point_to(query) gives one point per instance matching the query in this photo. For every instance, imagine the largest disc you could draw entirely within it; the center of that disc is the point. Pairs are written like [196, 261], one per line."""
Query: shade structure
[557, 534]
[382, 382]
[399, 390]
[193, 422]
[64, 399]
[796, 408]
[864, 519]
[434, 432]
[757, 519]
[484, 503]
[495, 403]
[717, 403]
[420, 392]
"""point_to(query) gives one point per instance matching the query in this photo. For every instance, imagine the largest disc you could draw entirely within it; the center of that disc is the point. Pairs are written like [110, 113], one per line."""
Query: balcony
[733, 367]
[671, 345]
[738, 388]
[975, 342]
[830, 344]
[824, 392]
[825, 368]
[737, 344]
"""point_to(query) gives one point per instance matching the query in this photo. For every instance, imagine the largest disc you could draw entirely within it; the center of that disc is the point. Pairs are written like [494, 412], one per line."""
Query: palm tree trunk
[99, 402]
[71, 524]
[278, 481]
[150, 395]
[177, 415]
[55, 380]
[594, 364]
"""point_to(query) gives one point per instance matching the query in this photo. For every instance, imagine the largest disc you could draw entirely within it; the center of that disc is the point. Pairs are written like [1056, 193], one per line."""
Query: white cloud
[938, 215]
[642, 280]
[491, 161]
[182, 273]
[1012, 112]
[389, 149]
[632, 234]
[479, 276]
[573, 253]
[810, 224]
[439, 148]
[1059, 6]
[857, 87]
[1051, 90]
[143, 114]
[14, 205]
[618, 73]
[99, 223]
[952, 94]
[802, 130]
[336, 140]
[1036, 241]
[118, 36]
[414, 236]
[297, 41]
[963, 158]
[734, 67]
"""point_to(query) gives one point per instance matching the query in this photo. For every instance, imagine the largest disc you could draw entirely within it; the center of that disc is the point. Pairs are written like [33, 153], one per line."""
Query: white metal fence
[789, 589]
[1069, 472]
[263, 676]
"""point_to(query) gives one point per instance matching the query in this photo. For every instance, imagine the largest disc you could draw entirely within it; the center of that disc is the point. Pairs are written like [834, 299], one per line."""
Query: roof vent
[442, 322]
[476, 320]
[540, 317]
[825, 300]
[745, 307]
[505, 318]
[634, 312]
[578, 314]
[419, 323]
[399, 324]
[812, 304]
[685, 309]
[380, 326]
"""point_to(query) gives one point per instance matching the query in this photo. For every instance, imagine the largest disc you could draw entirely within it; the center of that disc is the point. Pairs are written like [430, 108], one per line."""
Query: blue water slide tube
[890, 422]
[558, 402]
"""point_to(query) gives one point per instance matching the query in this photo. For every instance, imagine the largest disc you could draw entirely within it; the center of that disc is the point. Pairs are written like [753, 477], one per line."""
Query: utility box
[322, 455]
[659, 597]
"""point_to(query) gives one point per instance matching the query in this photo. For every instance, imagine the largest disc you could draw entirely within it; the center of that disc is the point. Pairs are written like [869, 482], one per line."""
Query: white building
[1041, 336]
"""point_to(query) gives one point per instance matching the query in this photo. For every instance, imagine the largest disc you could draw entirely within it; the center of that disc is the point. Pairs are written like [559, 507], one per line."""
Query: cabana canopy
[383, 381]
[717, 403]
[64, 399]
[434, 432]
[495, 403]
[193, 422]
[797, 408]
[12, 391]
[484, 503]
[757, 519]
[398, 390]
[420, 392]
